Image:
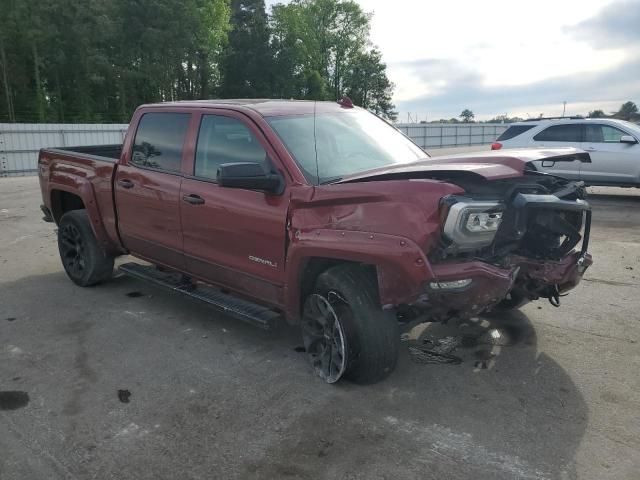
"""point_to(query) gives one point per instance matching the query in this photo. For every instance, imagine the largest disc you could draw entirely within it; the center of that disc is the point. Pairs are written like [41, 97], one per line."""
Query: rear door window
[561, 133]
[225, 140]
[514, 131]
[159, 141]
[602, 134]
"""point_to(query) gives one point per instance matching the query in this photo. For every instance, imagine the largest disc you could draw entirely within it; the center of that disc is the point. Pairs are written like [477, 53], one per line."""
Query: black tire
[85, 262]
[371, 335]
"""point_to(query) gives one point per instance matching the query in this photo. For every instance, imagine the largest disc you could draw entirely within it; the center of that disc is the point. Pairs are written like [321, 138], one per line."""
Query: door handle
[193, 199]
[590, 149]
[124, 183]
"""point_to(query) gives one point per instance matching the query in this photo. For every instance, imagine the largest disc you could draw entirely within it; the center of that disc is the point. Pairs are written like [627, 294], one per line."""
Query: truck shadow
[519, 416]
[512, 414]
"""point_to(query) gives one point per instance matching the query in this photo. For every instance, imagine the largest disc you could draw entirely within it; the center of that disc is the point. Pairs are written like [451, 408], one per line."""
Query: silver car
[612, 144]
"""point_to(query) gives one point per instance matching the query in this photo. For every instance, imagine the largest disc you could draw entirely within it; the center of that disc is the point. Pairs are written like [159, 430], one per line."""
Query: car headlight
[470, 225]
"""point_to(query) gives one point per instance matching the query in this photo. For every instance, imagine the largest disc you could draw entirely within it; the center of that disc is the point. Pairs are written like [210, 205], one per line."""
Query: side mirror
[627, 139]
[250, 176]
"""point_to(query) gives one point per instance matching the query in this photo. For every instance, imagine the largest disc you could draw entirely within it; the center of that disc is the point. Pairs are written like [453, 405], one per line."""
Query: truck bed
[66, 172]
[103, 152]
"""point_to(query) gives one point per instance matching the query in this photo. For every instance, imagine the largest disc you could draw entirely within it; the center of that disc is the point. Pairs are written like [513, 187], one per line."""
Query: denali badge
[263, 261]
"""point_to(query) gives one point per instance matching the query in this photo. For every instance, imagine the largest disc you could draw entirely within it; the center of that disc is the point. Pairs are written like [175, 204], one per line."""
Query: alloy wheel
[73, 250]
[323, 335]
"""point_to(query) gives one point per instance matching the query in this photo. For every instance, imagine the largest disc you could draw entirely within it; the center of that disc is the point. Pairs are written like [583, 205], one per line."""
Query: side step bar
[241, 309]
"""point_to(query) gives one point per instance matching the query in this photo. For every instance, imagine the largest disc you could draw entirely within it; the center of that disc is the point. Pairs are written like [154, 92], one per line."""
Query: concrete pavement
[214, 398]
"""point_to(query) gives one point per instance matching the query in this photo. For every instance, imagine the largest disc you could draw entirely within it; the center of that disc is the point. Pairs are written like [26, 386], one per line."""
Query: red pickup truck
[319, 213]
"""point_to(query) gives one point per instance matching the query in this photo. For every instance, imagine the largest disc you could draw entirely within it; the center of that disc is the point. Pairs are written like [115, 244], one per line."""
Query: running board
[239, 308]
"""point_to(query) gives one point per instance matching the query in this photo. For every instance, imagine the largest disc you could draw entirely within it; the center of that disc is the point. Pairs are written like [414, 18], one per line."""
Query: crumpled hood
[491, 165]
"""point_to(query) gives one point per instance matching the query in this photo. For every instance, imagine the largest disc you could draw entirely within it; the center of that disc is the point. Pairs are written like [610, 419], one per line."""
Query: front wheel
[345, 331]
[85, 262]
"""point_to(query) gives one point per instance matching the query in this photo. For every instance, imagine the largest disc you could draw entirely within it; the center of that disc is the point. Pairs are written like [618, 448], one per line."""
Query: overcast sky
[508, 56]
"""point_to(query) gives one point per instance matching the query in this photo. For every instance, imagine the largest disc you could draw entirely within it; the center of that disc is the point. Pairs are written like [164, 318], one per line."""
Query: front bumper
[546, 275]
[490, 284]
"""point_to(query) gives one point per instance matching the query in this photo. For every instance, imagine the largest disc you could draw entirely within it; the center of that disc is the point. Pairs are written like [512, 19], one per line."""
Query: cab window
[513, 131]
[225, 140]
[603, 134]
[159, 141]
[561, 133]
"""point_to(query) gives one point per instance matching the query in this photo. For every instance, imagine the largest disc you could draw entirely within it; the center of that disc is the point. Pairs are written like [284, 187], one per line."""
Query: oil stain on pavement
[13, 400]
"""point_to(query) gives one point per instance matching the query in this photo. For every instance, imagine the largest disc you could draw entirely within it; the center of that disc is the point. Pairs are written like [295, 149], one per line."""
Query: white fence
[442, 135]
[20, 142]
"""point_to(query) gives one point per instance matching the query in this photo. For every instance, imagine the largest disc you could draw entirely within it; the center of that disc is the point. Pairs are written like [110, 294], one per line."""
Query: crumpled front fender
[401, 265]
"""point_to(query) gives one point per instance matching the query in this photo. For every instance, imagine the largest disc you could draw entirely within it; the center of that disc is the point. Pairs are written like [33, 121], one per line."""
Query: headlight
[471, 225]
[483, 221]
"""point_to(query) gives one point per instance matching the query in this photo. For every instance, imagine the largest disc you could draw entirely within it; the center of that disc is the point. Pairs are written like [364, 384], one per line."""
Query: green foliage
[96, 60]
[246, 65]
[321, 51]
[596, 114]
[503, 119]
[368, 86]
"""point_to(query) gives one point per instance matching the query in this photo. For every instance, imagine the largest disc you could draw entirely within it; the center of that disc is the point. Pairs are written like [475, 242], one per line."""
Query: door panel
[611, 161]
[147, 188]
[234, 237]
[149, 214]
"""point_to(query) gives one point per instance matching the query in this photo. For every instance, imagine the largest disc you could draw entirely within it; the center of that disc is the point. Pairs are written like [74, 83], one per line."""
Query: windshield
[632, 126]
[345, 143]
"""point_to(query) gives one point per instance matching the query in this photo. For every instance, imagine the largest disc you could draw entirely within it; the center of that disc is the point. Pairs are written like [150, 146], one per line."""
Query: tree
[467, 115]
[627, 111]
[367, 84]
[94, 61]
[503, 119]
[329, 38]
[596, 114]
[314, 86]
[248, 60]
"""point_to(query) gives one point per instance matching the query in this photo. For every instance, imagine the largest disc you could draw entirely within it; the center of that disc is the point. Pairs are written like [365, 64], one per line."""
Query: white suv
[612, 145]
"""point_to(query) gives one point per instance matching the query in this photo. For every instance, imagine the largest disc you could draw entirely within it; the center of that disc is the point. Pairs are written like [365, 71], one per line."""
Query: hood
[490, 165]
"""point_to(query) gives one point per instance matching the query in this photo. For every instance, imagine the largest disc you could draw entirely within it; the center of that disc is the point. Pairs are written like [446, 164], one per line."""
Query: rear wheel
[345, 331]
[85, 262]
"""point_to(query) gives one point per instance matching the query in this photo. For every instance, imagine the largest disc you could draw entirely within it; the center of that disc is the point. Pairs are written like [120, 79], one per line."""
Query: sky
[511, 57]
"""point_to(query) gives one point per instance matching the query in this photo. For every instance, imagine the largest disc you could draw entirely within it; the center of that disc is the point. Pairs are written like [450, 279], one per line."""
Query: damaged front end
[506, 242]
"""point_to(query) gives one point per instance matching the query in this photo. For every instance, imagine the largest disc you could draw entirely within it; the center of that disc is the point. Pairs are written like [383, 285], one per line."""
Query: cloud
[616, 25]
[452, 87]
[603, 78]
[531, 58]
